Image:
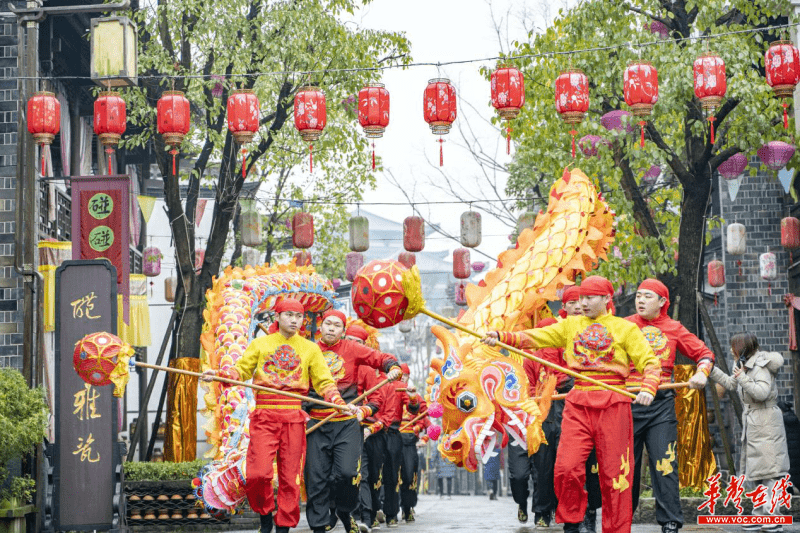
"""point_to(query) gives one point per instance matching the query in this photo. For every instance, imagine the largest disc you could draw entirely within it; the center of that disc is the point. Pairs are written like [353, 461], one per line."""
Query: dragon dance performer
[410, 461]
[602, 346]
[386, 428]
[286, 361]
[655, 425]
[334, 449]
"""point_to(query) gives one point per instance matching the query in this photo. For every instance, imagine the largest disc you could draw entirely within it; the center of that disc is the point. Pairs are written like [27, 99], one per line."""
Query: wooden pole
[664, 386]
[415, 420]
[330, 416]
[576, 375]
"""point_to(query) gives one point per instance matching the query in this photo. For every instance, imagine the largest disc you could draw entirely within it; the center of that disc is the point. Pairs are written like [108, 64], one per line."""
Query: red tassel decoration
[373, 156]
[642, 123]
[573, 133]
[174, 166]
[508, 141]
[441, 152]
[244, 163]
[739, 264]
[785, 115]
[715, 300]
[109, 151]
[41, 168]
[711, 120]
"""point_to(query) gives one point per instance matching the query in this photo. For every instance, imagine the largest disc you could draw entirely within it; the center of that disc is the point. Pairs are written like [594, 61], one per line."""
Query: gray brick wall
[10, 282]
[746, 304]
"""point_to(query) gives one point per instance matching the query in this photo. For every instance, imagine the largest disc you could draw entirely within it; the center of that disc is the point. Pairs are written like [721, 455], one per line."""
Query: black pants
[369, 492]
[520, 472]
[391, 473]
[595, 498]
[408, 473]
[656, 426]
[332, 467]
[440, 485]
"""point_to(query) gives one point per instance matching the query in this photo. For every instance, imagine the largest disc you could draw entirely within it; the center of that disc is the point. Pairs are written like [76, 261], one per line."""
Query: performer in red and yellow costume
[656, 425]
[286, 361]
[602, 346]
[334, 449]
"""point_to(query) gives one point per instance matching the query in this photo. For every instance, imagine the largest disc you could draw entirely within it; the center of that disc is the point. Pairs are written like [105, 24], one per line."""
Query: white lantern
[737, 239]
[767, 266]
[470, 229]
[359, 234]
[251, 256]
[250, 224]
[170, 284]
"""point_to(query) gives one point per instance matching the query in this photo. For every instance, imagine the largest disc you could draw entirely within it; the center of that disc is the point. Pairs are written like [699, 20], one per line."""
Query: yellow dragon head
[484, 395]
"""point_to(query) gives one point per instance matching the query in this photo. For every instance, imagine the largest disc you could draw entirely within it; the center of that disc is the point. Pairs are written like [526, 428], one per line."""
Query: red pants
[288, 440]
[609, 429]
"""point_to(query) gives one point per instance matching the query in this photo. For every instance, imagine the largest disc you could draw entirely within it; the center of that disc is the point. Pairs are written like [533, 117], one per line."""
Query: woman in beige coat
[764, 456]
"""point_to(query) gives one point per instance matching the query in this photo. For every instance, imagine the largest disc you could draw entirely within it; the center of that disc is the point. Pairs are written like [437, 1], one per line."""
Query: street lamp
[114, 52]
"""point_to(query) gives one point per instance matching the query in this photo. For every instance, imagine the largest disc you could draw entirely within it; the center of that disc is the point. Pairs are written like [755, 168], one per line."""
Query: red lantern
[641, 91]
[414, 234]
[110, 121]
[790, 235]
[461, 263]
[303, 230]
[310, 116]
[302, 258]
[373, 112]
[407, 259]
[353, 262]
[710, 84]
[782, 63]
[508, 96]
[439, 108]
[572, 98]
[716, 275]
[173, 121]
[44, 120]
[243, 109]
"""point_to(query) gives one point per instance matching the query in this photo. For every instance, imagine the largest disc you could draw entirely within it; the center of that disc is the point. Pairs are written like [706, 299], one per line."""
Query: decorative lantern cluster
[173, 121]
[243, 124]
[782, 64]
[641, 91]
[310, 117]
[44, 120]
[439, 108]
[737, 242]
[373, 112]
[572, 99]
[414, 234]
[508, 96]
[710, 84]
[110, 121]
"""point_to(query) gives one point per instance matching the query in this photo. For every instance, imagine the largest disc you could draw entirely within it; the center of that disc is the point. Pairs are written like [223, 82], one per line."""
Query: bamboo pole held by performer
[243, 384]
[569, 372]
[358, 399]
[665, 386]
[415, 420]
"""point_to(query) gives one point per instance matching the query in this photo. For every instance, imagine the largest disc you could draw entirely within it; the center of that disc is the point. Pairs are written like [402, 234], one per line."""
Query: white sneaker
[363, 527]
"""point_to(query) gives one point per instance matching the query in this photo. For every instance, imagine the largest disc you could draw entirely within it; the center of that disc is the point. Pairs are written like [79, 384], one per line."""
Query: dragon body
[485, 396]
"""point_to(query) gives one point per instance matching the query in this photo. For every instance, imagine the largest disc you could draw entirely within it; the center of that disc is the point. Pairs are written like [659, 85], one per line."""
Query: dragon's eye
[467, 402]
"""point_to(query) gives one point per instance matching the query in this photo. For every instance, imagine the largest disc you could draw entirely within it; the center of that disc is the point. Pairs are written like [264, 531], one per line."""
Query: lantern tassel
[785, 115]
[310, 158]
[109, 151]
[508, 141]
[739, 264]
[641, 124]
[174, 153]
[441, 152]
[244, 163]
[711, 120]
[573, 133]
[373, 156]
[41, 168]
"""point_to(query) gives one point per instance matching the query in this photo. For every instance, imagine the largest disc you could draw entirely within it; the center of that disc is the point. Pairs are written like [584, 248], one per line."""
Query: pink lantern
[151, 261]
[589, 145]
[716, 273]
[478, 266]
[617, 121]
[303, 230]
[658, 28]
[336, 282]
[414, 234]
[461, 266]
[651, 176]
[733, 167]
[407, 259]
[353, 262]
[775, 154]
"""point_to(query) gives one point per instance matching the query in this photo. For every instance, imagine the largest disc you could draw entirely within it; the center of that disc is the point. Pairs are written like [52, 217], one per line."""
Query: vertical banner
[100, 225]
[86, 451]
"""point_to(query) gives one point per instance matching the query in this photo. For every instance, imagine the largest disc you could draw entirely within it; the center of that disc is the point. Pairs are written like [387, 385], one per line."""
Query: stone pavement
[470, 514]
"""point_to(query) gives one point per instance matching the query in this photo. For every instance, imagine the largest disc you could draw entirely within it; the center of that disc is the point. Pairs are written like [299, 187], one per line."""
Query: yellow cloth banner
[180, 437]
[51, 255]
[696, 461]
[137, 333]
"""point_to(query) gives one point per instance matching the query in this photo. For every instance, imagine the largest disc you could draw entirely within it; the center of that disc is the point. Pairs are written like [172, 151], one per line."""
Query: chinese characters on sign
[84, 307]
[760, 497]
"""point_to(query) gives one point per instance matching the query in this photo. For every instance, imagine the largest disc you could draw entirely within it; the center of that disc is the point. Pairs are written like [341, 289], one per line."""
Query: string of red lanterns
[782, 62]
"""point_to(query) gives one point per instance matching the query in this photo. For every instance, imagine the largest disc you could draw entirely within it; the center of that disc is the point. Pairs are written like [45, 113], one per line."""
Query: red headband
[598, 286]
[659, 288]
[571, 294]
[354, 330]
[405, 369]
[289, 304]
[335, 312]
